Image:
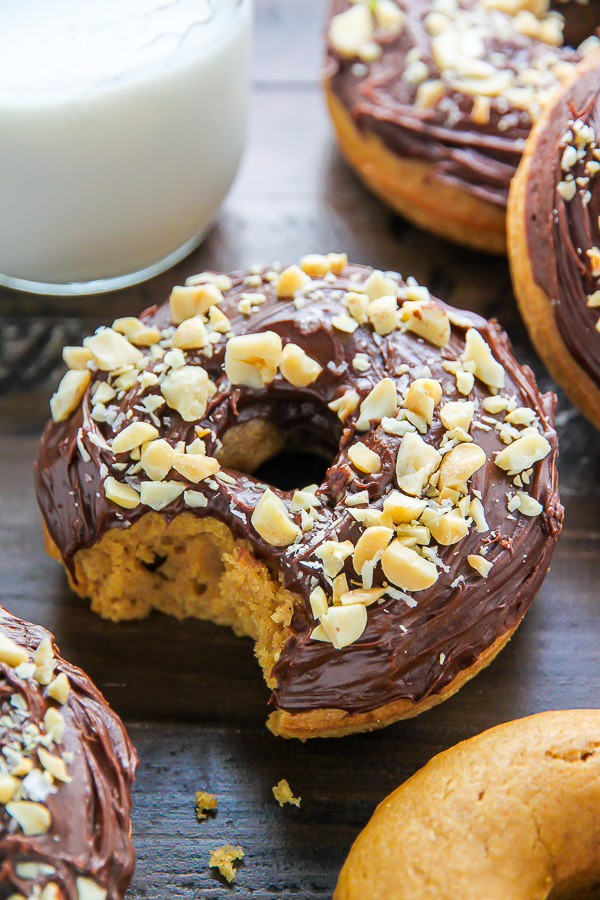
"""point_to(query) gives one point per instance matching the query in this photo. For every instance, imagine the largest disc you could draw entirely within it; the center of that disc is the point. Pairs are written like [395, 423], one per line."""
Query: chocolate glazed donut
[66, 772]
[371, 596]
[433, 101]
[554, 237]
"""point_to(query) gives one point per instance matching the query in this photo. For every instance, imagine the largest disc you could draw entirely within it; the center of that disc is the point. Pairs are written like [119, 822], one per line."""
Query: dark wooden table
[192, 696]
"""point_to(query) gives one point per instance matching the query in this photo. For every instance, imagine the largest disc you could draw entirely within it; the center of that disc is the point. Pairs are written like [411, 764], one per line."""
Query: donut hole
[288, 454]
[581, 887]
[581, 20]
[292, 469]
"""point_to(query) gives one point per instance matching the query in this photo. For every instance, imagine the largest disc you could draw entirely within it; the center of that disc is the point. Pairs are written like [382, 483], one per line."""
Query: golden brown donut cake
[432, 101]
[66, 772]
[554, 237]
[371, 596]
[511, 814]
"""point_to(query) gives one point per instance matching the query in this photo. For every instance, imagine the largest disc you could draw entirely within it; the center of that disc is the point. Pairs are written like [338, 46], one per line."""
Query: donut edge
[410, 187]
[534, 304]
[330, 723]
[565, 735]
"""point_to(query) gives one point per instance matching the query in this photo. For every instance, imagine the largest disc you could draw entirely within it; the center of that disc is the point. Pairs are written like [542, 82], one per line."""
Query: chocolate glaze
[90, 834]
[480, 159]
[559, 232]
[387, 662]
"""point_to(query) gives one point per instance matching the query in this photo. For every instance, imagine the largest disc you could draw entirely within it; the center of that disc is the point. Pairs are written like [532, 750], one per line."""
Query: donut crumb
[203, 802]
[283, 794]
[223, 858]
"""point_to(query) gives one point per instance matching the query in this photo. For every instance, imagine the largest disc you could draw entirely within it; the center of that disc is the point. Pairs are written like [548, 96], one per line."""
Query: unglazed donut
[554, 237]
[432, 101]
[371, 596]
[66, 772]
[512, 814]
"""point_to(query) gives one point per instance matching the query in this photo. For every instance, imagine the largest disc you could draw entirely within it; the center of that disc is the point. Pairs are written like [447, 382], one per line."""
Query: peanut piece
[415, 463]
[402, 508]
[272, 521]
[69, 393]
[252, 359]
[344, 624]
[487, 369]
[459, 464]
[111, 350]
[297, 367]
[523, 453]
[291, 280]
[187, 390]
[371, 542]
[133, 435]
[193, 300]
[382, 401]
[406, 569]
[364, 459]
[423, 396]
[157, 459]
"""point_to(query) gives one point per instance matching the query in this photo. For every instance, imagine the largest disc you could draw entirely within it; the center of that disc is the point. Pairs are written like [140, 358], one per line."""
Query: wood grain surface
[192, 695]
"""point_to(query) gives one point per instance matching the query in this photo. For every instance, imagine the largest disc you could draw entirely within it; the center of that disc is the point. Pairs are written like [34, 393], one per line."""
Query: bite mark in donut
[370, 596]
[66, 772]
[433, 102]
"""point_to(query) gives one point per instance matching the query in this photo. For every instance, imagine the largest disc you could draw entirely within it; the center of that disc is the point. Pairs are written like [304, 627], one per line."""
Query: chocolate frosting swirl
[560, 232]
[406, 650]
[473, 154]
[90, 832]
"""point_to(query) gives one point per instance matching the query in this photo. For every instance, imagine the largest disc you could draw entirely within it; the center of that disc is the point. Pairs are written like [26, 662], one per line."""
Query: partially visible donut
[432, 101]
[371, 596]
[66, 772]
[512, 814]
[554, 237]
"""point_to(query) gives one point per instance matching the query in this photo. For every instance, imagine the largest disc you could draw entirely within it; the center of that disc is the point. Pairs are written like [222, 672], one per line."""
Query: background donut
[432, 102]
[66, 773]
[554, 237]
[372, 595]
[513, 812]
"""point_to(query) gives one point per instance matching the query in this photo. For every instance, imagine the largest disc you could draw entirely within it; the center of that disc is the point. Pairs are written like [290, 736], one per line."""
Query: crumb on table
[203, 802]
[283, 793]
[222, 858]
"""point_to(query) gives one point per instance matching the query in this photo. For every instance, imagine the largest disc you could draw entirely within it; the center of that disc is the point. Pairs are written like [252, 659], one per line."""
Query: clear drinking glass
[122, 126]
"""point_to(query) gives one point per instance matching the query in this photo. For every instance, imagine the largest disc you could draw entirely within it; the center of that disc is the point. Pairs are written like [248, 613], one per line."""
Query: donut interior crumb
[222, 859]
[203, 802]
[189, 567]
[283, 794]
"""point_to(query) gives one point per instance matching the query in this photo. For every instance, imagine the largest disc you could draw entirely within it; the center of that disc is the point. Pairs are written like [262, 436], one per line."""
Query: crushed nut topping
[424, 428]
[33, 763]
[501, 59]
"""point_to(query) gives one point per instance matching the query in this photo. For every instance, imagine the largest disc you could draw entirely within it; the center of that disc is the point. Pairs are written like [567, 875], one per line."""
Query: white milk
[122, 124]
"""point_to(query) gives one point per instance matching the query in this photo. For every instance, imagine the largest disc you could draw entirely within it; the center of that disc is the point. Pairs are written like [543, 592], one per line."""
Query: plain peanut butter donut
[370, 596]
[554, 237]
[433, 100]
[66, 773]
[512, 814]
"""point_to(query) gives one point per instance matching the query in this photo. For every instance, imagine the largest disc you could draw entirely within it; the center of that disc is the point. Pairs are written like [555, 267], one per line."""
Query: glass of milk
[122, 125]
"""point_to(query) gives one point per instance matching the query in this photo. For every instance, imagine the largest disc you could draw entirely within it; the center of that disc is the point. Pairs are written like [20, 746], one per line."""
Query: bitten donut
[432, 101]
[512, 814]
[371, 596]
[554, 237]
[66, 772]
